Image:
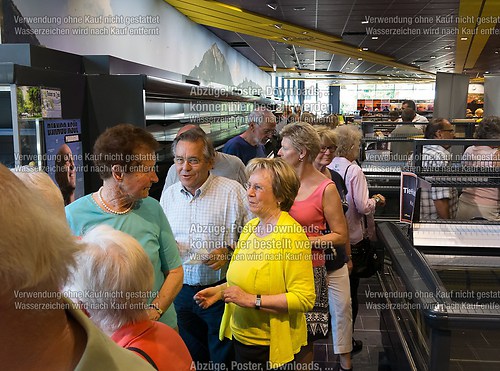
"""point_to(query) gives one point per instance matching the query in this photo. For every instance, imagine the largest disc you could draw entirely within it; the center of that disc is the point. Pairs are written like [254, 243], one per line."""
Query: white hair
[261, 115]
[35, 249]
[112, 279]
[40, 183]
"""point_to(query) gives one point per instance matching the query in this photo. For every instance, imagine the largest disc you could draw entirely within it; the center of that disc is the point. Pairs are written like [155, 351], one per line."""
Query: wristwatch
[257, 302]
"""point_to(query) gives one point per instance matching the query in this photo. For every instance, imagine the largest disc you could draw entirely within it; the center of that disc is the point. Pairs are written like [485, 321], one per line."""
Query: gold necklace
[110, 210]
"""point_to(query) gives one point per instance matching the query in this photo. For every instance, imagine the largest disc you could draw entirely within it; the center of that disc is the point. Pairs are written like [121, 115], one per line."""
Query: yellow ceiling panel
[489, 17]
[216, 9]
[477, 20]
[226, 17]
[468, 13]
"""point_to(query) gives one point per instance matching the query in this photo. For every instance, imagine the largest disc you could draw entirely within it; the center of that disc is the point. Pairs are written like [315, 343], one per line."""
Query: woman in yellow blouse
[270, 281]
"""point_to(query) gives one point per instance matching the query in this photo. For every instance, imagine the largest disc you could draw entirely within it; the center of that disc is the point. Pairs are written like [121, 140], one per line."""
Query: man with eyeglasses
[225, 165]
[206, 214]
[438, 202]
[250, 144]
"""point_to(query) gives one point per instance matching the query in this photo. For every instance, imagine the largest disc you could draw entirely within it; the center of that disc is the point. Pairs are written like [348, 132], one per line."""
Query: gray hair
[36, 251]
[488, 128]
[115, 265]
[41, 184]
[303, 136]
[193, 135]
[348, 140]
[259, 115]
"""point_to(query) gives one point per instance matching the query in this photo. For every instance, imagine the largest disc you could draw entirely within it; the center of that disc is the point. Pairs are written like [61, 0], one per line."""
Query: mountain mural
[15, 32]
[213, 67]
[251, 87]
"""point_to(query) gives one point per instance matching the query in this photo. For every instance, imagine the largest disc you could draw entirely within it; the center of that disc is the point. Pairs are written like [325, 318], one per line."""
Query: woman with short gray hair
[111, 282]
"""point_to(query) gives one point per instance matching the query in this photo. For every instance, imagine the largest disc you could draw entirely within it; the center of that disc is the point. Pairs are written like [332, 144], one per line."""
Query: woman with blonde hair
[270, 280]
[318, 209]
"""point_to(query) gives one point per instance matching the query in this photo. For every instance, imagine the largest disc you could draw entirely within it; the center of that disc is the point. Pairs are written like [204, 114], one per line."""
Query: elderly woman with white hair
[111, 281]
[41, 184]
[40, 328]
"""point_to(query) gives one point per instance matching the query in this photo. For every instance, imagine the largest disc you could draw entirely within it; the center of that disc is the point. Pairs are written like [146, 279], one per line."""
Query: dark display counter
[441, 305]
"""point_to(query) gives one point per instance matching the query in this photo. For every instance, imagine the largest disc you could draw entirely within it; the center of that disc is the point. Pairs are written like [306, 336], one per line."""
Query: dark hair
[410, 104]
[118, 145]
[194, 135]
[61, 173]
[408, 114]
[394, 114]
[434, 126]
[488, 128]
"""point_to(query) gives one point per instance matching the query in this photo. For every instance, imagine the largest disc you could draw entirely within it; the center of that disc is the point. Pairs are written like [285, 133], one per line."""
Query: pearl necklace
[110, 210]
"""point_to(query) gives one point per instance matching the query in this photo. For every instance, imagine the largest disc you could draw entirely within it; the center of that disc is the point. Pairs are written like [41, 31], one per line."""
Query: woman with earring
[125, 159]
[318, 208]
[270, 280]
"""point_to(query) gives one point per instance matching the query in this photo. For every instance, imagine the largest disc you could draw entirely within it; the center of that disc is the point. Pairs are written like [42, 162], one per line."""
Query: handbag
[366, 260]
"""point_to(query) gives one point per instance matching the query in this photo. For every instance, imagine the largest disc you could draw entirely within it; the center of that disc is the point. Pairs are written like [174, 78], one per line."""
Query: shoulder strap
[145, 355]
[347, 168]
[339, 181]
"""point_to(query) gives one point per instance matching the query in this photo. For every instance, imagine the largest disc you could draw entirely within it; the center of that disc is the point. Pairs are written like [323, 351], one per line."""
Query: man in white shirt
[206, 214]
[225, 165]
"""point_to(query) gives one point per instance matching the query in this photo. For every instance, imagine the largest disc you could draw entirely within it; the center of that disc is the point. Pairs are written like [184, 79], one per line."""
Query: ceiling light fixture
[289, 47]
[496, 52]
[278, 26]
[273, 6]
[374, 37]
[433, 57]
[364, 49]
[360, 59]
[485, 72]
[447, 47]
[299, 8]
[463, 38]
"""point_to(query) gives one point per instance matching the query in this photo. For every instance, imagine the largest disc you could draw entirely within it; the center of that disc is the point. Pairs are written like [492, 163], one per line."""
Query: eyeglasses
[256, 187]
[193, 161]
[327, 148]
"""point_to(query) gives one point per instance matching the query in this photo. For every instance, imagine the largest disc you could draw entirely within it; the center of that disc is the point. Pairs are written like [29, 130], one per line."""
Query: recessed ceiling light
[364, 22]
[433, 57]
[364, 49]
[486, 72]
[351, 62]
[273, 6]
[447, 47]
[374, 37]
[278, 26]
[289, 47]
[305, 33]
[360, 59]
[496, 52]
[299, 8]
[463, 38]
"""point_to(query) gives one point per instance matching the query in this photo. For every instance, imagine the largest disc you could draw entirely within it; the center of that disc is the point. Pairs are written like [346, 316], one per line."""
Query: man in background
[250, 144]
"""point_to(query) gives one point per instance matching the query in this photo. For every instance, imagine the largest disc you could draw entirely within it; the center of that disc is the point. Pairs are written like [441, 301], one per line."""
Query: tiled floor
[373, 357]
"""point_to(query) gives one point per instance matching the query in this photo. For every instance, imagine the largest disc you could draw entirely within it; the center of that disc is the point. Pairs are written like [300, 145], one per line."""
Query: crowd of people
[229, 268]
